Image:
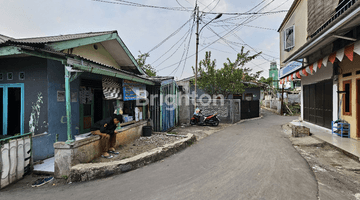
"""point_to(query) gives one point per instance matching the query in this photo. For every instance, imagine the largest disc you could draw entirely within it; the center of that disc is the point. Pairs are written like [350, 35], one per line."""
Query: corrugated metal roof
[58, 38]
[4, 38]
[83, 58]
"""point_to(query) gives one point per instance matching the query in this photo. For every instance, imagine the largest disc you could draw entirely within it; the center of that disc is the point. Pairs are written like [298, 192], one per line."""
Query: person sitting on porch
[106, 130]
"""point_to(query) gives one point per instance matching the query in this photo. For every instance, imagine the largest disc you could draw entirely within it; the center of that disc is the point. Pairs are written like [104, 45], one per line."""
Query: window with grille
[289, 38]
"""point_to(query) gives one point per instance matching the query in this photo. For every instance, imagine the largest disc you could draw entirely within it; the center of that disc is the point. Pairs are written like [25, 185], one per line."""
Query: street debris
[318, 169]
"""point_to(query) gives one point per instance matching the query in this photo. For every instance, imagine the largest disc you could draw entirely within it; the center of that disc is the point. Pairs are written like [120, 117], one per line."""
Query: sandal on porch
[113, 152]
[42, 181]
[109, 156]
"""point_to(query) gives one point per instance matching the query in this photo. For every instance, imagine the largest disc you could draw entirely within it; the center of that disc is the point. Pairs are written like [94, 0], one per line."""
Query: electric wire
[187, 35]
[210, 4]
[128, 3]
[259, 27]
[221, 38]
[171, 35]
[180, 4]
[231, 31]
[248, 13]
[187, 52]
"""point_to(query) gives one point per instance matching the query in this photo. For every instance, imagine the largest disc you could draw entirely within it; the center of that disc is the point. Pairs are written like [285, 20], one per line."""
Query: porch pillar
[68, 102]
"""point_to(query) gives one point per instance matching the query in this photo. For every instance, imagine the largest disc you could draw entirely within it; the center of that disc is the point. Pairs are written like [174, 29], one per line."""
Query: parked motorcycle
[212, 120]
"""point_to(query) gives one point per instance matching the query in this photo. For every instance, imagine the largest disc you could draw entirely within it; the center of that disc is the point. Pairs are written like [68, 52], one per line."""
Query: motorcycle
[212, 120]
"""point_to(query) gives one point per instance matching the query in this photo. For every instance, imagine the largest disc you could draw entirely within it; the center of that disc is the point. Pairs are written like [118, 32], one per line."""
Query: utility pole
[197, 44]
[197, 51]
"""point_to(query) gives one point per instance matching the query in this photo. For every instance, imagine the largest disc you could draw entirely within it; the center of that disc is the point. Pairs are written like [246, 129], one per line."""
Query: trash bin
[147, 131]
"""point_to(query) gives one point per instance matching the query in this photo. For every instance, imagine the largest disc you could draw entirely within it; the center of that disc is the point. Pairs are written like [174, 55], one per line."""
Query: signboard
[133, 90]
[290, 68]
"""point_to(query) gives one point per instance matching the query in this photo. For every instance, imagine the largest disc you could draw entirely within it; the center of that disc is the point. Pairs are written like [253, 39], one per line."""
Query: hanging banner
[340, 54]
[319, 63]
[332, 57]
[304, 72]
[311, 69]
[133, 90]
[349, 52]
[357, 47]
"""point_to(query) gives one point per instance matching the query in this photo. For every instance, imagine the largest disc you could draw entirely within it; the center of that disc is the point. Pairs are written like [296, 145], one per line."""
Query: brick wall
[319, 11]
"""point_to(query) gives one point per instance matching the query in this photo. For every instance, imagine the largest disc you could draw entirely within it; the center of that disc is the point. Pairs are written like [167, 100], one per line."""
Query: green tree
[233, 78]
[141, 60]
[207, 71]
[268, 81]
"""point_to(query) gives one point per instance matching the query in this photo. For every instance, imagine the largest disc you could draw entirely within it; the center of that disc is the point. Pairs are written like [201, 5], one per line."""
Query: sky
[147, 29]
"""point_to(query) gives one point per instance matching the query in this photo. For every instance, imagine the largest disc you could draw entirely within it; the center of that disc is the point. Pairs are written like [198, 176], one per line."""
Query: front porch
[349, 146]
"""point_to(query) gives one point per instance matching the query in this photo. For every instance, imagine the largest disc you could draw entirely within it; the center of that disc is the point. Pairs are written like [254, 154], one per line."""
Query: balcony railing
[341, 9]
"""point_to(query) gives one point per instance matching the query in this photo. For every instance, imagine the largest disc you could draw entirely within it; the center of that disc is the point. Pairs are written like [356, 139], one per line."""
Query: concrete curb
[92, 171]
[246, 120]
[270, 109]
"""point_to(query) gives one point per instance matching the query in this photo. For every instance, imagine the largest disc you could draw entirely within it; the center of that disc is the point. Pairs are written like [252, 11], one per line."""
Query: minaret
[274, 73]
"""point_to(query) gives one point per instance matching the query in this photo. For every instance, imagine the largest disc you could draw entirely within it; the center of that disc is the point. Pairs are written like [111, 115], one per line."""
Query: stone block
[27, 148]
[300, 131]
[20, 158]
[13, 160]
[5, 165]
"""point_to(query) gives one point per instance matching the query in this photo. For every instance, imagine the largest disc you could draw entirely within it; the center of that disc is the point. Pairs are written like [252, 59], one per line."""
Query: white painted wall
[335, 101]
[12, 160]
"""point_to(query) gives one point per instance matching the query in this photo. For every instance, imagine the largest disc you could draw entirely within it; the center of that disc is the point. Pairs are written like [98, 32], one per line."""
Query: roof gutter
[306, 47]
[98, 69]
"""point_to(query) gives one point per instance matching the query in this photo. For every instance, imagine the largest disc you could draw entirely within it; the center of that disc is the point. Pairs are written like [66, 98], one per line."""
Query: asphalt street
[250, 160]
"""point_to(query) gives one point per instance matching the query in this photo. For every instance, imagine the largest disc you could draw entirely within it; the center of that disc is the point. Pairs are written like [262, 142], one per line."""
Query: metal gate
[250, 109]
[154, 104]
[318, 105]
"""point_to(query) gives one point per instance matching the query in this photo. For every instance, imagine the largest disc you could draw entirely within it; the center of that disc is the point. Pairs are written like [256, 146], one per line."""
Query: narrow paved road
[251, 160]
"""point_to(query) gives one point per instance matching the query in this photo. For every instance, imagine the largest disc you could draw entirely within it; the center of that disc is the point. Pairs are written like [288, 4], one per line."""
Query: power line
[211, 3]
[247, 13]
[259, 27]
[217, 49]
[249, 18]
[221, 38]
[180, 4]
[187, 35]
[171, 35]
[213, 41]
[128, 3]
[187, 52]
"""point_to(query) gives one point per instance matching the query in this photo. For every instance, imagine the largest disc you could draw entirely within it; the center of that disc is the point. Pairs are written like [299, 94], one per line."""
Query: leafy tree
[207, 71]
[231, 79]
[268, 81]
[141, 60]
